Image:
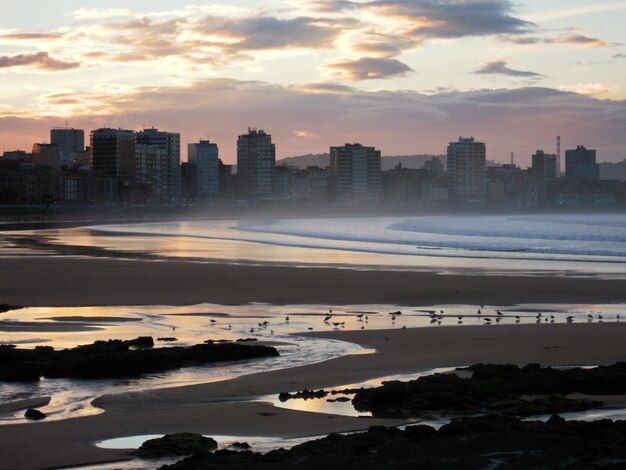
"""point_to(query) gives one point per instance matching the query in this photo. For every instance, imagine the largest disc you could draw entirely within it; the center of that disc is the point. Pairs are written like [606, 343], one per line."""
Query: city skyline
[408, 76]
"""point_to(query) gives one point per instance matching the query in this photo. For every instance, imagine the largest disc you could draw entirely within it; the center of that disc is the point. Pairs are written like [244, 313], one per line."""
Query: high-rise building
[71, 143]
[544, 165]
[581, 163]
[113, 153]
[466, 167]
[170, 143]
[205, 156]
[355, 173]
[46, 155]
[150, 170]
[256, 162]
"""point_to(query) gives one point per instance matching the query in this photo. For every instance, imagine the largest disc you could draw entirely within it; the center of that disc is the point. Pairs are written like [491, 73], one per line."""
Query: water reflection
[64, 327]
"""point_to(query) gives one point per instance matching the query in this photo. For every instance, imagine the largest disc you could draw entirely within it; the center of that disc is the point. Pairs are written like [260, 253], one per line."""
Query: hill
[388, 162]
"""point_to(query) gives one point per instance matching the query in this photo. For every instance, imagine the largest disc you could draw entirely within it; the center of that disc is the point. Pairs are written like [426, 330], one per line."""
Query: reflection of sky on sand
[192, 325]
[345, 408]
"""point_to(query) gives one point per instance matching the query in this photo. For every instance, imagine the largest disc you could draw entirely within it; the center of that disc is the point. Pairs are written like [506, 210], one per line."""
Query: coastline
[223, 407]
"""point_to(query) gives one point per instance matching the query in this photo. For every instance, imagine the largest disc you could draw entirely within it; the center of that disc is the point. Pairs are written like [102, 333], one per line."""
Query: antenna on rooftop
[558, 155]
[512, 158]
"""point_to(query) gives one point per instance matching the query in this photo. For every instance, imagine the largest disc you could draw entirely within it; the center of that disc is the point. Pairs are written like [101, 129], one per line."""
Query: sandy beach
[67, 281]
[222, 407]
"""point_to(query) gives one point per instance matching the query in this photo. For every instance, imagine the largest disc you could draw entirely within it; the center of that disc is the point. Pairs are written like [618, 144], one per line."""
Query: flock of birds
[435, 318]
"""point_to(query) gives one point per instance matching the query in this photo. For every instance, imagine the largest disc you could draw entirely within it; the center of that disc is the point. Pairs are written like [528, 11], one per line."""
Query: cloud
[580, 40]
[370, 68]
[591, 89]
[397, 122]
[39, 60]
[453, 18]
[267, 32]
[499, 67]
[29, 36]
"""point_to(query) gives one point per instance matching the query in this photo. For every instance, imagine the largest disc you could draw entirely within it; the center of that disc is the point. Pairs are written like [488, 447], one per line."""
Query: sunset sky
[406, 76]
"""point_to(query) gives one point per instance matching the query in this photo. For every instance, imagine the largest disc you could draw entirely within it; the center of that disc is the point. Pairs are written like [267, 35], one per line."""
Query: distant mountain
[613, 171]
[388, 162]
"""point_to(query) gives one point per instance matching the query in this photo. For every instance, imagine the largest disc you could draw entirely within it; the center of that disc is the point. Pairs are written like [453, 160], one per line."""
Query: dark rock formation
[504, 389]
[464, 444]
[34, 415]
[8, 308]
[240, 445]
[116, 359]
[185, 443]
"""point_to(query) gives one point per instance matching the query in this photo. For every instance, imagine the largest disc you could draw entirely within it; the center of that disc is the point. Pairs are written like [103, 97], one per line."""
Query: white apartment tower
[467, 182]
[205, 156]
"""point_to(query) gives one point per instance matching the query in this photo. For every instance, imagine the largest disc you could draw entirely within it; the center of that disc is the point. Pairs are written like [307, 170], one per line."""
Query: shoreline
[117, 282]
[223, 408]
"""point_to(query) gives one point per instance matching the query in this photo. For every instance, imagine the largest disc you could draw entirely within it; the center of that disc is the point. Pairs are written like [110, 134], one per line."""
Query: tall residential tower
[256, 164]
[466, 168]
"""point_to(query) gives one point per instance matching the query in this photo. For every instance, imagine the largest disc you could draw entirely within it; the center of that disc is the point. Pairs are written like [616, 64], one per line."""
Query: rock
[303, 395]
[464, 444]
[8, 308]
[508, 389]
[140, 342]
[185, 443]
[117, 359]
[338, 399]
[168, 338]
[34, 415]
[240, 445]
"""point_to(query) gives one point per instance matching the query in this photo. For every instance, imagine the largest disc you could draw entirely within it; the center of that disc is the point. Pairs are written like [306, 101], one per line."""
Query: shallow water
[573, 245]
[192, 325]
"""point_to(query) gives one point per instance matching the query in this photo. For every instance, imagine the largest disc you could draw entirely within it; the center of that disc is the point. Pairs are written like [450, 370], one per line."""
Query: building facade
[256, 165]
[466, 168]
[170, 143]
[581, 163]
[355, 173]
[205, 156]
[544, 165]
[71, 143]
[113, 152]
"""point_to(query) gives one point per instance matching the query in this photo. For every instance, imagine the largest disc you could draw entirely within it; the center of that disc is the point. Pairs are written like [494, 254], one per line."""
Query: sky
[405, 76]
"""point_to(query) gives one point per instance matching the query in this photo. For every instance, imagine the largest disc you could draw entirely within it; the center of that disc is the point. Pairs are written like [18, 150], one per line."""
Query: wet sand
[66, 281]
[222, 407]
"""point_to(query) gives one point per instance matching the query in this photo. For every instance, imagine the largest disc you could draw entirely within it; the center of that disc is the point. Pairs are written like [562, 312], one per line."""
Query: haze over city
[312, 234]
[407, 77]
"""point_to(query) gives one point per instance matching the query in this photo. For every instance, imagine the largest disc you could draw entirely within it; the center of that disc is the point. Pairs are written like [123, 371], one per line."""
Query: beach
[75, 281]
[239, 406]
[222, 407]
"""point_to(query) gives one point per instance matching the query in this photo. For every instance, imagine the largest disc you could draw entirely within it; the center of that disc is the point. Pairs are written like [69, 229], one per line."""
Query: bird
[213, 321]
[287, 318]
[498, 312]
[460, 317]
[359, 316]
[569, 319]
[363, 327]
[600, 317]
[393, 318]
[327, 318]
[251, 330]
[404, 327]
[478, 311]
[310, 328]
[440, 311]
[517, 317]
[366, 318]
[230, 326]
[538, 314]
